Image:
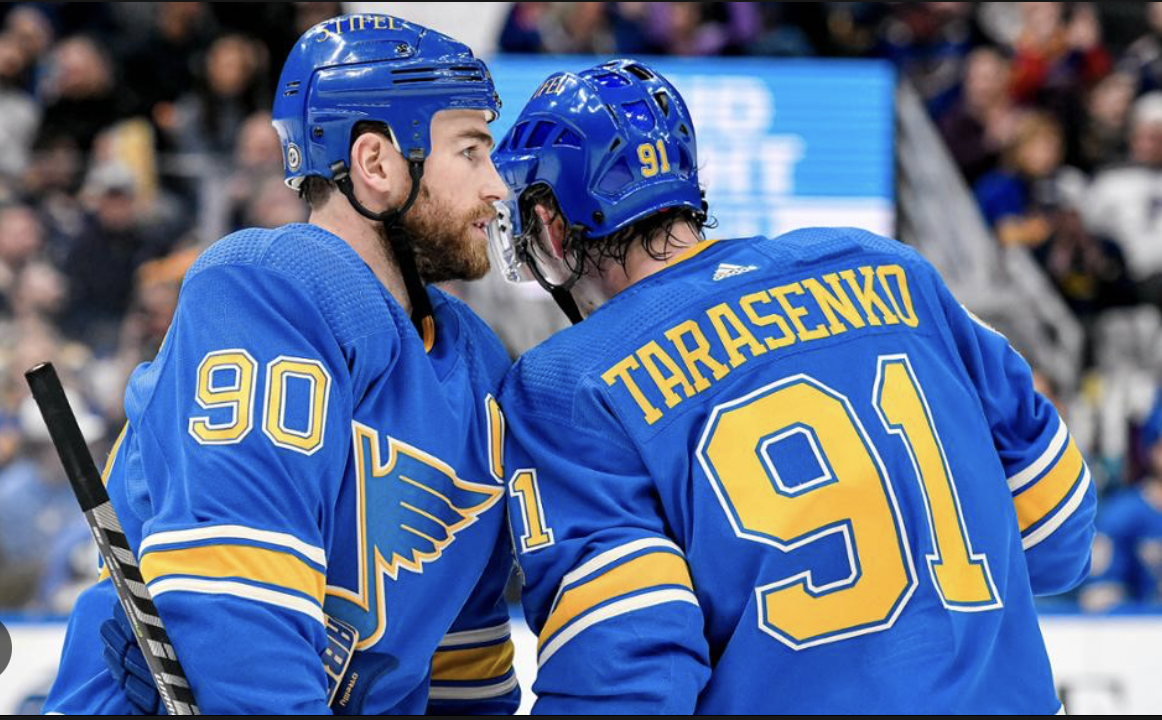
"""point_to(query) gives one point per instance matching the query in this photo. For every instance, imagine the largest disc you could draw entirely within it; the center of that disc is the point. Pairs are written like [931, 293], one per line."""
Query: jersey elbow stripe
[1057, 519]
[242, 590]
[481, 636]
[474, 692]
[1040, 497]
[261, 565]
[482, 663]
[235, 533]
[610, 557]
[612, 610]
[645, 572]
[1043, 461]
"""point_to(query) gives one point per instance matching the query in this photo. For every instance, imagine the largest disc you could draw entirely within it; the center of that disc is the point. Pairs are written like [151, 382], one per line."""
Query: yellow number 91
[853, 499]
[653, 161]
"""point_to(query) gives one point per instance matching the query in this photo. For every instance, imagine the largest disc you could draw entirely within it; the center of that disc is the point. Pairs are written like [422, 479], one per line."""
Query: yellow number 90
[227, 380]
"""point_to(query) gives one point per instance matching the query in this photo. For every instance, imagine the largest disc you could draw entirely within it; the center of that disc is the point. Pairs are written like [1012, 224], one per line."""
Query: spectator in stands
[273, 206]
[1125, 203]
[580, 28]
[21, 242]
[155, 296]
[32, 34]
[1008, 197]
[159, 69]
[82, 97]
[1058, 52]
[257, 158]
[1088, 270]
[1144, 57]
[522, 28]
[683, 28]
[231, 87]
[1059, 56]
[1104, 131]
[853, 28]
[980, 124]
[39, 292]
[20, 112]
[929, 43]
[1127, 552]
[104, 257]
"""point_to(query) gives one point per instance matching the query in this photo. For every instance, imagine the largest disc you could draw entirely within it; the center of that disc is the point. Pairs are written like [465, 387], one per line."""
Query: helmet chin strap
[560, 293]
[405, 257]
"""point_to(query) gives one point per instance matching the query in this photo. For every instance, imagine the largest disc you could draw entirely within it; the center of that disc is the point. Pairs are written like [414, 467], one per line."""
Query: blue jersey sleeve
[472, 671]
[607, 591]
[1052, 488]
[242, 429]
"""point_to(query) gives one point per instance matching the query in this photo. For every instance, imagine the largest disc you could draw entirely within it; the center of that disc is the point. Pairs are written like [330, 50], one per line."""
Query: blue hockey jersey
[790, 475]
[297, 450]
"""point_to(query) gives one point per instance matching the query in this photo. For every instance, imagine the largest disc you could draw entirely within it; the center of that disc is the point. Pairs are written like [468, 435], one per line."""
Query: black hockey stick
[111, 541]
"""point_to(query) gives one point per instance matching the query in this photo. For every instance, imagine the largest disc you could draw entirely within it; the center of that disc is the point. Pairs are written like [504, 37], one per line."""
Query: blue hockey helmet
[369, 67]
[614, 143]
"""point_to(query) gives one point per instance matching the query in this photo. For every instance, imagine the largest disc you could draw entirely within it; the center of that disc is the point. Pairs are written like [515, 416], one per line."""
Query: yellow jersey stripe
[692, 251]
[646, 571]
[240, 561]
[1047, 493]
[113, 454]
[483, 663]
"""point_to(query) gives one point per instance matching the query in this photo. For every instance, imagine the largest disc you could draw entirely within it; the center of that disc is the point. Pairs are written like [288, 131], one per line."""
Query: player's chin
[476, 263]
[465, 260]
[473, 257]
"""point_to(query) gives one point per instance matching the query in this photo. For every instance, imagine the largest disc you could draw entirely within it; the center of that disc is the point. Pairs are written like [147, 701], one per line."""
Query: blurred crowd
[135, 133]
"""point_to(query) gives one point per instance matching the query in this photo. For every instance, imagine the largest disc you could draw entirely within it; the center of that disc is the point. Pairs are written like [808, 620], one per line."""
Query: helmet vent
[640, 72]
[539, 134]
[516, 134]
[616, 178]
[663, 101]
[611, 80]
[568, 138]
[431, 74]
[638, 114]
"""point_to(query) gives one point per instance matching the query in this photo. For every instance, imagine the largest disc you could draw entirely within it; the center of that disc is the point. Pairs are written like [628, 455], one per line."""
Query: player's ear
[377, 166]
[554, 230]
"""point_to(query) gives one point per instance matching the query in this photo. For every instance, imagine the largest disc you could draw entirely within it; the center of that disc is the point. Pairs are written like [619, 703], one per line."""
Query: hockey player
[763, 475]
[318, 435]
[1127, 552]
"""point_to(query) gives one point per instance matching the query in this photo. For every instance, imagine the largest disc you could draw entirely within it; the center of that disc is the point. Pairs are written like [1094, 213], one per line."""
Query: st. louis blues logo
[420, 504]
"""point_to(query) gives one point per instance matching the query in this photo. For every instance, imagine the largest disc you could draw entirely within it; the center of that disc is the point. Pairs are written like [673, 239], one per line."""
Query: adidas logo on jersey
[726, 270]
